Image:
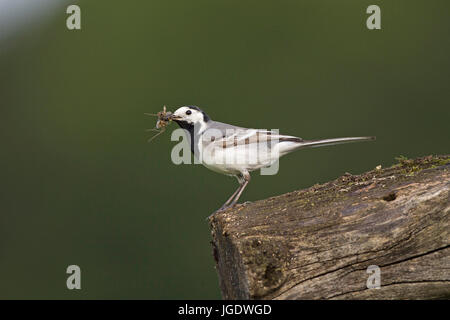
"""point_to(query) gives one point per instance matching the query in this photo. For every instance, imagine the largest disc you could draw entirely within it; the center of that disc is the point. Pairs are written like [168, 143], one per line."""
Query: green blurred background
[80, 184]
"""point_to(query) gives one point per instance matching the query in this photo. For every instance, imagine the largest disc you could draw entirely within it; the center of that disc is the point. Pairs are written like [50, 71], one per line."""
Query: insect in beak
[164, 119]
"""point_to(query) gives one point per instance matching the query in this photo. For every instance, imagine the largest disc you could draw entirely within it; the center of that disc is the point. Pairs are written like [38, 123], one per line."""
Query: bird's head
[190, 115]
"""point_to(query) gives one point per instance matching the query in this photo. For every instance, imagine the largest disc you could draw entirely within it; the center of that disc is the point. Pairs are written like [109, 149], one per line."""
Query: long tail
[330, 142]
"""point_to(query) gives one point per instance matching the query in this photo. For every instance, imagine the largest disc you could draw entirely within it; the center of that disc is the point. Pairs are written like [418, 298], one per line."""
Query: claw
[222, 208]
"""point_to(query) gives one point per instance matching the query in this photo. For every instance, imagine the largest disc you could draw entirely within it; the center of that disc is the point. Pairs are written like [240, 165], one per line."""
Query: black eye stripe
[188, 112]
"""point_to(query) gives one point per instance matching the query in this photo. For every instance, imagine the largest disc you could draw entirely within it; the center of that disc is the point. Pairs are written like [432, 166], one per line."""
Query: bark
[318, 243]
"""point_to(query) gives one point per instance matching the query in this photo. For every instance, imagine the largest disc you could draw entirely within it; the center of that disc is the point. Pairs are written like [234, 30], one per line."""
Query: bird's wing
[226, 136]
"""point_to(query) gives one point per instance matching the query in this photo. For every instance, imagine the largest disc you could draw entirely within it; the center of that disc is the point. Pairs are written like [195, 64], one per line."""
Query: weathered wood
[317, 243]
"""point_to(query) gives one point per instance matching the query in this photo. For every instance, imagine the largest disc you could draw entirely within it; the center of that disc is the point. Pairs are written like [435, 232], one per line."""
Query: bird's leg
[243, 178]
[243, 181]
[226, 204]
[241, 189]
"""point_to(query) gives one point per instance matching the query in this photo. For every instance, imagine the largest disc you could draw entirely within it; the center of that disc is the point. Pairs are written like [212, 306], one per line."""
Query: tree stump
[318, 243]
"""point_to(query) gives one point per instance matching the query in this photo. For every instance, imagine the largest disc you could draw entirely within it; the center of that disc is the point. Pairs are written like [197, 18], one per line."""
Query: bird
[249, 149]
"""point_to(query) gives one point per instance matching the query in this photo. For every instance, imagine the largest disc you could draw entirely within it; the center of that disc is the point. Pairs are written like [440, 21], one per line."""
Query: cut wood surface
[317, 243]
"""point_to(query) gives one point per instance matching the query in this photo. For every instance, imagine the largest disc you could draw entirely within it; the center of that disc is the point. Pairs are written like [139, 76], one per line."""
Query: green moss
[443, 162]
[410, 167]
[403, 160]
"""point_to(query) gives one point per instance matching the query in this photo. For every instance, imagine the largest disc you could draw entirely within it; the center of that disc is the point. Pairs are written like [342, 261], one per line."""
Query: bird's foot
[222, 208]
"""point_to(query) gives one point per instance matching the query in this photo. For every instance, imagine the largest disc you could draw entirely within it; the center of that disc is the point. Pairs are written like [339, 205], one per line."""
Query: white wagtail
[248, 149]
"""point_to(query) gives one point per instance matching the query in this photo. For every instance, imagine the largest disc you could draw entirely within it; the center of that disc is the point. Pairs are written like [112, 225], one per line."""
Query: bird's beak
[174, 117]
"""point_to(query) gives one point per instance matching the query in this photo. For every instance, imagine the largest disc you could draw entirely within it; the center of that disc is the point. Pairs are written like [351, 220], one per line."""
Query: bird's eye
[188, 112]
